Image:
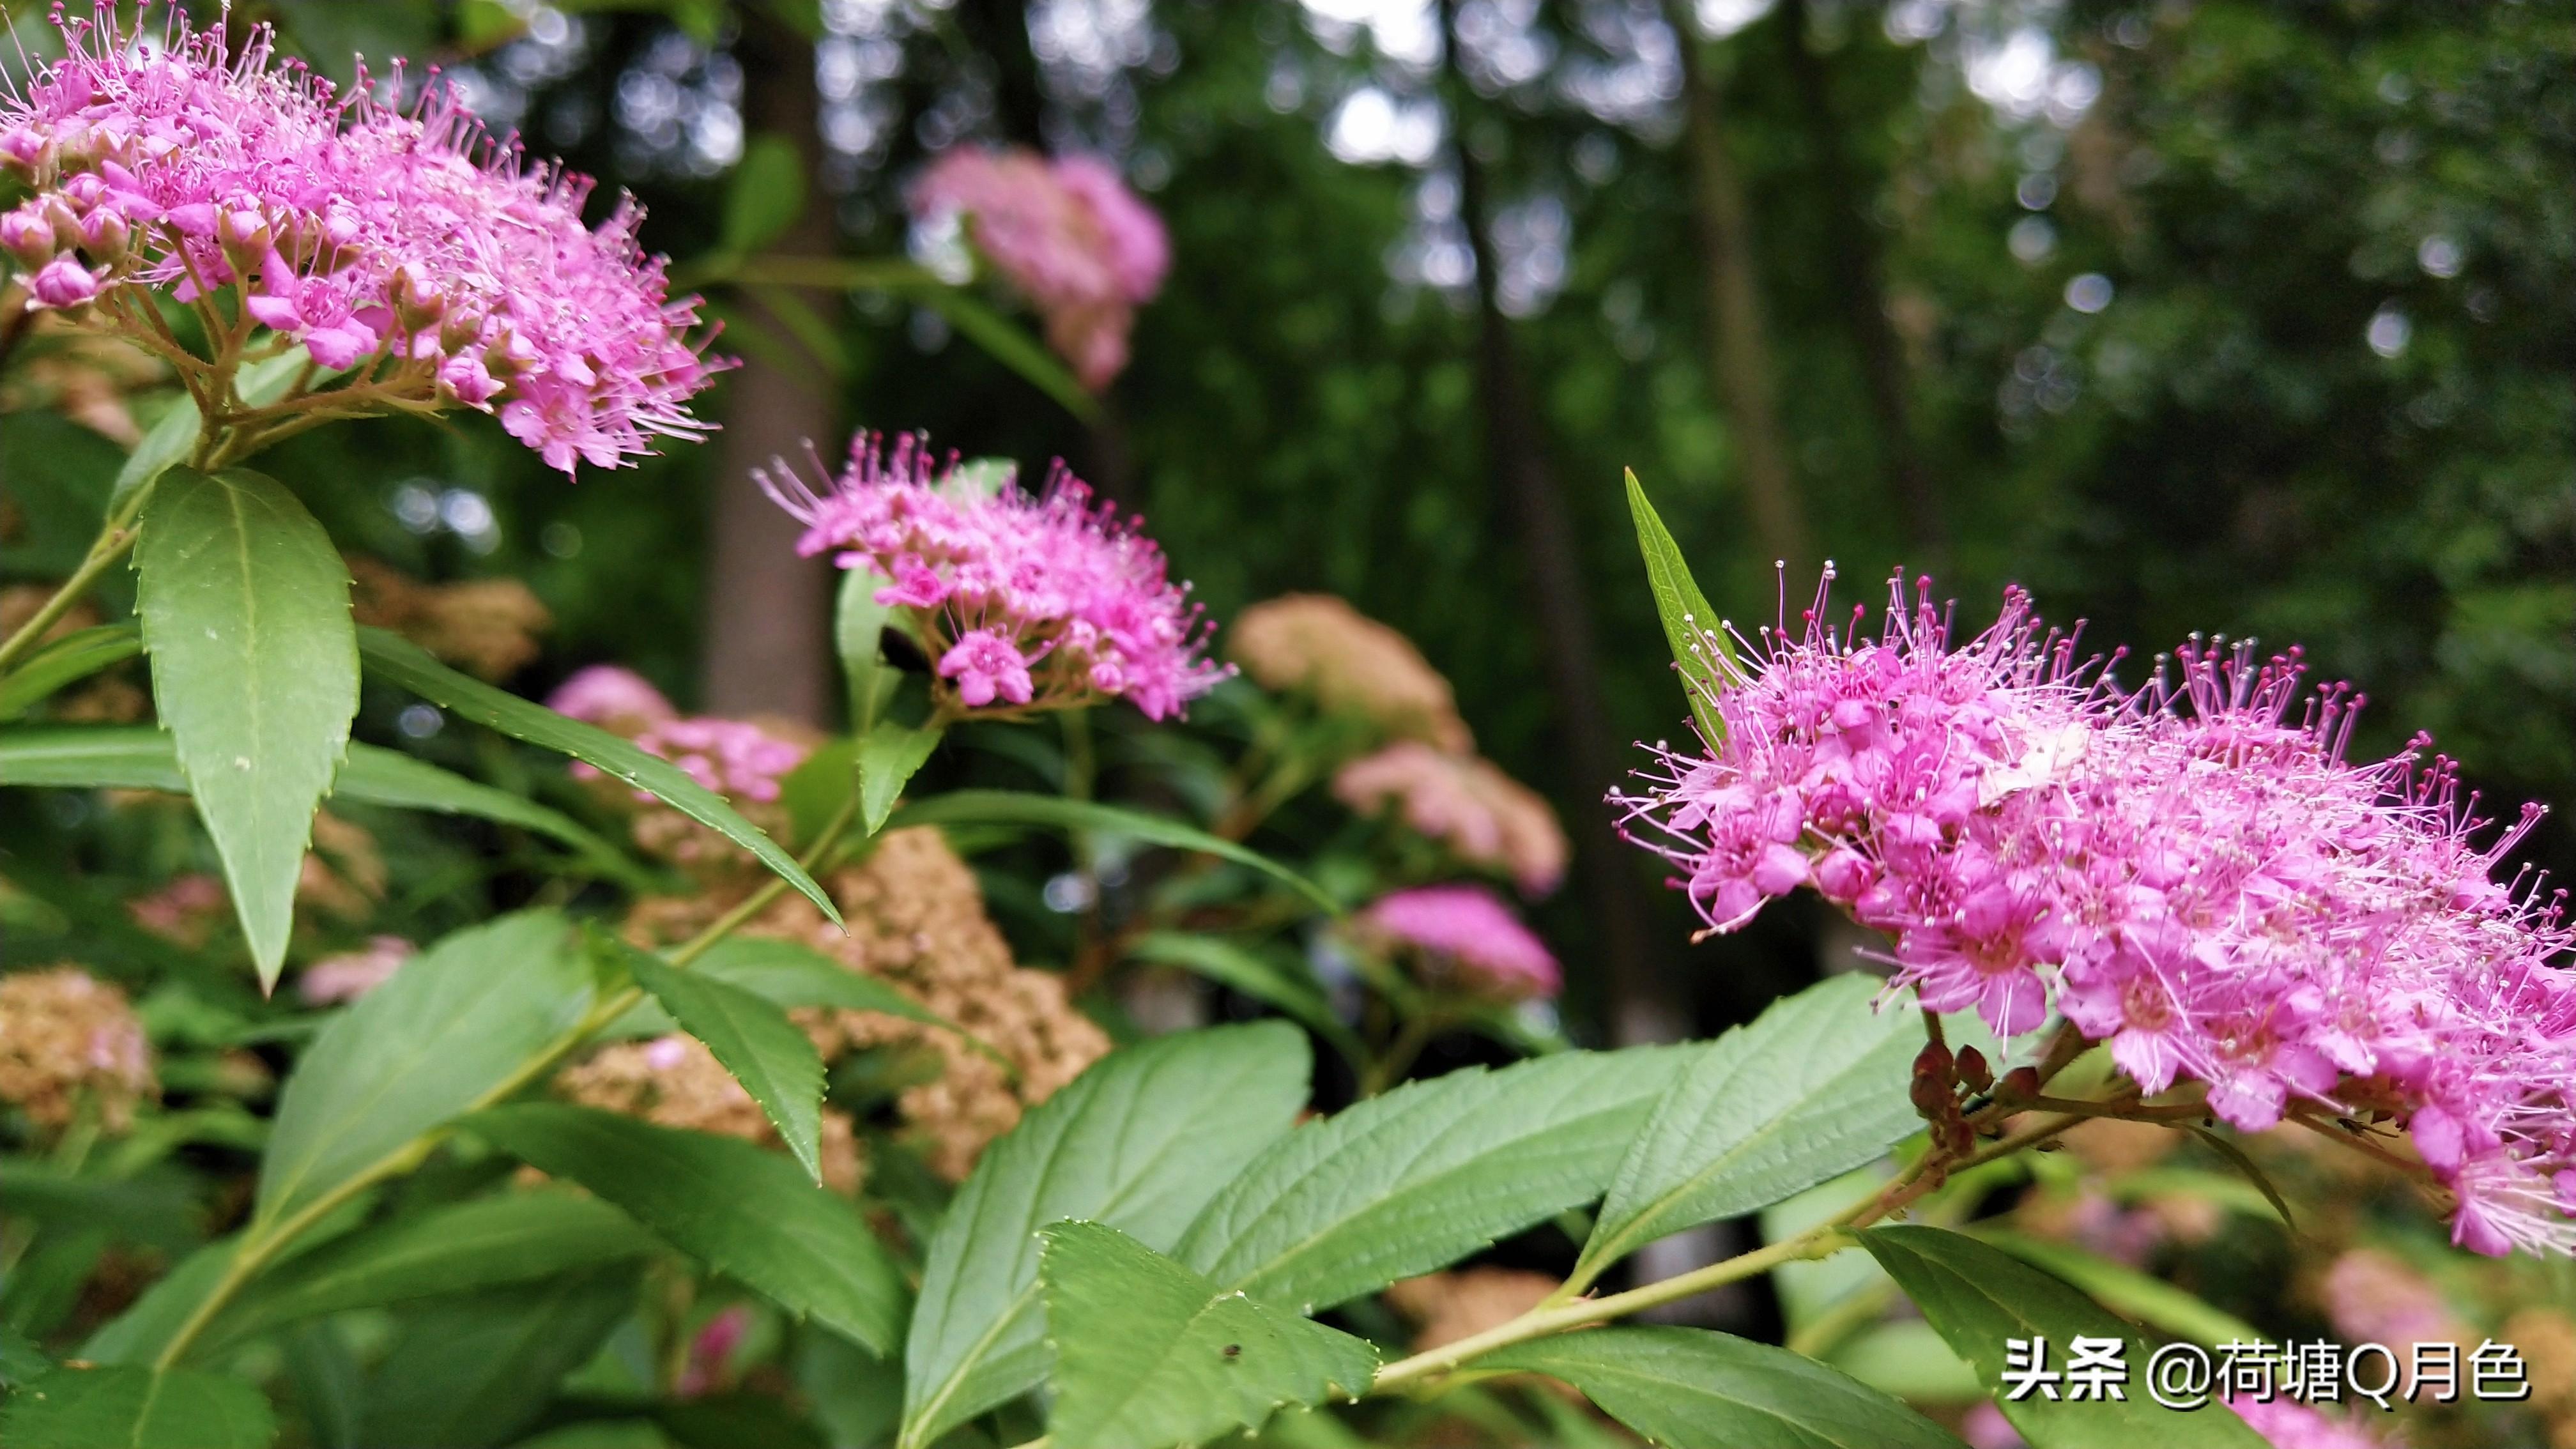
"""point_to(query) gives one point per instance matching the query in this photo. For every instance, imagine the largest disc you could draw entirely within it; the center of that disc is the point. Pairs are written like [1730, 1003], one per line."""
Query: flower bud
[1973, 1069]
[104, 235]
[63, 282]
[245, 237]
[417, 306]
[66, 224]
[26, 236]
[2019, 1085]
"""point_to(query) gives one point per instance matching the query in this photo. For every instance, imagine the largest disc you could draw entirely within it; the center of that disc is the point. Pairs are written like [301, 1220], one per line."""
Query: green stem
[115, 537]
[1410, 1038]
[262, 1242]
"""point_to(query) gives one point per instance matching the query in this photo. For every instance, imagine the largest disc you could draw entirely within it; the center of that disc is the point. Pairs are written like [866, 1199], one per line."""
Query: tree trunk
[1860, 284]
[767, 641]
[1739, 348]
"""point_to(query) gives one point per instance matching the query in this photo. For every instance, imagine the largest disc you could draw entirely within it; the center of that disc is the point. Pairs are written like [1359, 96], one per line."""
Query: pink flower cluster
[735, 758]
[407, 246]
[2187, 872]
[1067, 233]
[1023, 602]
[1469, 934]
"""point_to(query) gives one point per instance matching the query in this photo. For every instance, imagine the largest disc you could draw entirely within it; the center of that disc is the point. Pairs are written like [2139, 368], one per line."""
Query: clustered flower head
[403, 245]
[1484, 816]
[613, 697]
[1085, 250]
[2193, 872]
[1351, 664]
[1021, 602]
[68, 1041]
[1467, 939]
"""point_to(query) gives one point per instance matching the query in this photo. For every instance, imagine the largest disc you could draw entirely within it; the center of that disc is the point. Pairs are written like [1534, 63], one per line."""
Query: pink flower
[2180, 871]
[731, 757]
[1467, 932]
[1067, 233]
[613, 698]
[352, 974]
[1044, 602]
[1484, 816]
[2286, 1424]
[179, 164]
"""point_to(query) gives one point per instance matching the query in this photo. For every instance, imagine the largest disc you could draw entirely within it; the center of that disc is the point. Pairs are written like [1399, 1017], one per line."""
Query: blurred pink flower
[352, 974]
[616, 699]
[1468, 933]
[1484, 816]
[2288, 1425]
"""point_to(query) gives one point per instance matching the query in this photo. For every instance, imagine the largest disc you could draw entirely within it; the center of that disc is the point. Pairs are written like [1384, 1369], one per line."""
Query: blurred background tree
[2186, 315]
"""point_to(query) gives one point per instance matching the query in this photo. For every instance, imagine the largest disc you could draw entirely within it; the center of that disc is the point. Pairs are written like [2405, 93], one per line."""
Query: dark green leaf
[66, 661]
[488, 1242]
[1149, 1353]
[765, 196]
[858, 632]
[1978, 1296]
[1011, 807]
[736, 1207]
[1815, 1086]
[1691, 627]
[1256, 976]
[773, 1059]
[122, 1407]
[399, 661]
[330, 1386]
[889, 756]
[1424, 1175]
[245, 609]
[458, 1025]
[466, 1373]
[147, 1325]
[2126, 1291]
[1139, 1142]
[1687, 1388]
[20, 1359]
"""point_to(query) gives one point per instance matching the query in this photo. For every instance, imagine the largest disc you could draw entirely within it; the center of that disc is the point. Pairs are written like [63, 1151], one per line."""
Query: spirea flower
[2193, 872]
[612, 697]
[404, 246]
[69, 1041]
[735, 758]
[1067, 233]
[1484, 816]
[1020, 602]
[352, 974]
[1467, 938]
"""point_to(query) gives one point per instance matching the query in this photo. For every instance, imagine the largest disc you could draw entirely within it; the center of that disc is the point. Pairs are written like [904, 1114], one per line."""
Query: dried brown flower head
[66, 1036]
[1319, 645]
[486, 627]
[1446, 1307]
[674, 1081]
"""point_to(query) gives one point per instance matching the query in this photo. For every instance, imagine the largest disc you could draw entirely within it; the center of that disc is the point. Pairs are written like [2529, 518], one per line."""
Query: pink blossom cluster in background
[408, 246]
[738, 759]
[1085, 250]
[1469, 935]
[352, 974]
[1465, 802]
[2190, 872]
[1046, 601]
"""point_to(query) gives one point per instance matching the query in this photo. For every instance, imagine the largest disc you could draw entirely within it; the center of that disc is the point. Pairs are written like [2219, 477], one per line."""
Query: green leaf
[1978, 1296]
[1424, 1175]
[738, 1208]
[858, 632]
[122, 1407]
[765, 196]
[465, 1247]
[1149, 1353]
[1139, 1142]
[1012, 807]
[471, 1372]
[2126, 1291]
[146, 1326]
[790, 974]
[889, 756]
[1688, 1388]
[245, 609]
[1247, 971]
[66, 661]
[773, 1059]
[1005, 342]
[454, 1028]
[1814, 1087]
[20, 1359]
[397, 660]
[174, 437]
[1691, 627]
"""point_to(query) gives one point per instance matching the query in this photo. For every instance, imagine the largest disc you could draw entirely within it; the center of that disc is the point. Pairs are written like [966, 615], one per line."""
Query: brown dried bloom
[674, 1081]
[2109, 1144]
[343, 874]
[1486, 817]
[1320, 645]
[2547, 1338]
[487, 627]
[1446, 1307]
[64, 1035]
[19, 603]
[916, 920]
[81, 373]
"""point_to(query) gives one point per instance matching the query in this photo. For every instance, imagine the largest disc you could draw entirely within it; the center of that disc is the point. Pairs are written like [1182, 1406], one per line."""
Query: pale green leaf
[2126, 1291]
[471, 1372]
[1138, 1142]
[1690, 625]
[455, 1026]
[1813, 1087]
[858, 633]
[889, 756]
[124, 1407]
[742, 1210]
[768, 1054]
[1688, 1388]
[66, 661]
[1253, 974]
[245, 609]
[1150, 1354]
[465, 1247]
[765, 196]
[1426, 1174]
[397, 660]
[1978, 1296]
[1011, 807]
